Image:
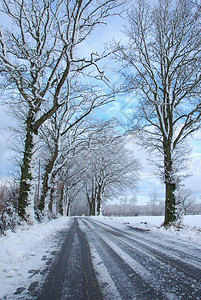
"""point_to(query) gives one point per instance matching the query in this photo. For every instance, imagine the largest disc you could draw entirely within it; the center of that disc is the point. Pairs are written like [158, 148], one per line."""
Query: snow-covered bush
[8, 207]
[8, 219]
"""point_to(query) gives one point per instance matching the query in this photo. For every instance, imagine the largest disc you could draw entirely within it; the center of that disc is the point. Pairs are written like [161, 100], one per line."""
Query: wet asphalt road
[99, 261]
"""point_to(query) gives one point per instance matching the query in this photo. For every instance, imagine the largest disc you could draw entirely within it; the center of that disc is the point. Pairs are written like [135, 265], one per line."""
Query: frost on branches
[37, 57]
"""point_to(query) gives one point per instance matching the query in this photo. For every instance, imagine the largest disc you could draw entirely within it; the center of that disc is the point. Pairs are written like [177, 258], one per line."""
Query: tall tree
[36, 58]
[162, 65]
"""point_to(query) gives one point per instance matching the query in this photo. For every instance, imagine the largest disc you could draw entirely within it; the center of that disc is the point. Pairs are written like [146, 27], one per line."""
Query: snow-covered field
[23, 254]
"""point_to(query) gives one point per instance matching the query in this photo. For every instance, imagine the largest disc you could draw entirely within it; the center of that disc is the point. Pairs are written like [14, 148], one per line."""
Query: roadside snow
[23, 253]
[188, 230]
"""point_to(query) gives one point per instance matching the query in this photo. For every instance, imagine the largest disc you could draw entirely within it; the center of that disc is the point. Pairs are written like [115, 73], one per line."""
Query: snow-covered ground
[189, 229]
[24, 254]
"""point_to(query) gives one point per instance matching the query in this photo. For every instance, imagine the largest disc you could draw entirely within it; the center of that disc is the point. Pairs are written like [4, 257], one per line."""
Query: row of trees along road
[162, 70]
[39, 57]
[45, 72]
[95, 165]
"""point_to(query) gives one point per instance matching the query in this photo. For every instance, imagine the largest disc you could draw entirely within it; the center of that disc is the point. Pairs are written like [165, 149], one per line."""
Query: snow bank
[190, 229]
[23, 250]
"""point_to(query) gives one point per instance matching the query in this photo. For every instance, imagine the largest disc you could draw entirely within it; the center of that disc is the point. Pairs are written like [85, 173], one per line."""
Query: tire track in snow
[106, 283]
[163, 272]
[131, 280]
[72, 275]
[109, 290]
[191, 266]
[119, 242]
[161, 243]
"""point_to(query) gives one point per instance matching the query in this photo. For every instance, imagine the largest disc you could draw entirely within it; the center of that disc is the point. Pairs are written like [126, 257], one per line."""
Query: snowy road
[72, 275]
[128, 263]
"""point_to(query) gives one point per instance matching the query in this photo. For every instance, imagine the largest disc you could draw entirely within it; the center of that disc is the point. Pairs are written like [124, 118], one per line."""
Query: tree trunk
[28, 174]
[90, 209]
[170, 187]
[45, 189]
[169, 203]
[68, 208]
[61, 202]
[50, 204]
[93, 213]
[98, 204]
[45, 196]
[98, 207]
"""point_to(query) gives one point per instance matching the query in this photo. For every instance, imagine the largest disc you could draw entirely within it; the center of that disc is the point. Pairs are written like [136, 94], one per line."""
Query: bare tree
[153, 201]
[184, 199]
[36, 59]
[133, 201]
[162, 65]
